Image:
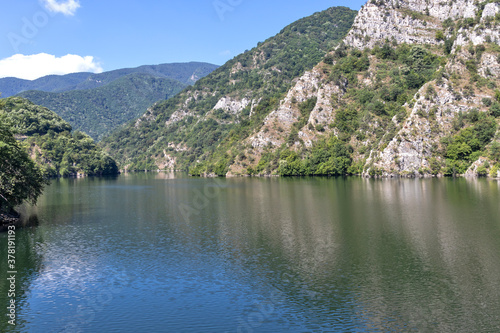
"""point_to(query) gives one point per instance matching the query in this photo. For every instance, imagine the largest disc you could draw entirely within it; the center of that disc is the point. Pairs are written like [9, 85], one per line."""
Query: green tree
[20, 179]
[495, 151]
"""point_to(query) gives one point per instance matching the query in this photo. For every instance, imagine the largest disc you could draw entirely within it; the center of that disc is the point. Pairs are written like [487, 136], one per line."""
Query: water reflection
[267, 255]
[29, 263]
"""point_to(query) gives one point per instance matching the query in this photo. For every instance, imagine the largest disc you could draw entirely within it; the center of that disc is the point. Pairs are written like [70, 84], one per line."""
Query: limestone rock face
[168, 162]
[376, 23]
[412, 151]
[148, 116]
[282, 119]
[416, 22]
[410, 21]
[277, 125]
[474, 168]
[489, 67]
[232, 105]
[490, 10]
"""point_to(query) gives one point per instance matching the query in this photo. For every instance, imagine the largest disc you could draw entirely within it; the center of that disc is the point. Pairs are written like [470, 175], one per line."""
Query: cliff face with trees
[412, 90]
[222, 109]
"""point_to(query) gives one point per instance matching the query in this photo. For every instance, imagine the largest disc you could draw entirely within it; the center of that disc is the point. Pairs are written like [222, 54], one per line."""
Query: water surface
[165, 253]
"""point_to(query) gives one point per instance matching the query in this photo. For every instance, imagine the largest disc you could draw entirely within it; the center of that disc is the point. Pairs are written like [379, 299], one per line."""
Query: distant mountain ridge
[186, 73]
[99, 103]
[101, 110]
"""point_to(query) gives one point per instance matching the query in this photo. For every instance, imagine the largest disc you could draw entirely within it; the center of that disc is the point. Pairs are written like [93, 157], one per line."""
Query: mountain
[187, 73]
[230, 103]
[48, 140]
[99, 103]
[99, 111]
[412, 91]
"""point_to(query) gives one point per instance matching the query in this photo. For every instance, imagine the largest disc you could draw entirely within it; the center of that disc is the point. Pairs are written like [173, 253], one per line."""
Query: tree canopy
[20, 179]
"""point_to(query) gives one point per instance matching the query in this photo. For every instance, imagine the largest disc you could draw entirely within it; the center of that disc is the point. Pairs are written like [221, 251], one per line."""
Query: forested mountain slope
[222, 109]
[413, 90]
[50, 143]
[101, 110]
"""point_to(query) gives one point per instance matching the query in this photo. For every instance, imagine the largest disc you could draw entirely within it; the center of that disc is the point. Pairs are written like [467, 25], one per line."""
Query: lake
[168, 253]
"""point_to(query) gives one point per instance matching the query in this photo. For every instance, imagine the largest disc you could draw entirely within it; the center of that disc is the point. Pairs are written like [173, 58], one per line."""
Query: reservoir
[162, 252]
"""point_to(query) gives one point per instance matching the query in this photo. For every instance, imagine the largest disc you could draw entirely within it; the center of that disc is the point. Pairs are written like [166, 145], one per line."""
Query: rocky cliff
[412, 90]
[218, 112]
[446, 126]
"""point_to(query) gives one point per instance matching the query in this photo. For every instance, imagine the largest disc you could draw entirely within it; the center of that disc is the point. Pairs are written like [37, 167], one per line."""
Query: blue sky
[110, 34]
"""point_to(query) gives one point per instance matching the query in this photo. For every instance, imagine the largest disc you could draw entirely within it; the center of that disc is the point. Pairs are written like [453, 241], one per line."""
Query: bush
[440, 35]
[485, 129]
[482, 171]
[346, 120]
[495, 110]
[495, 151]
[487, 102]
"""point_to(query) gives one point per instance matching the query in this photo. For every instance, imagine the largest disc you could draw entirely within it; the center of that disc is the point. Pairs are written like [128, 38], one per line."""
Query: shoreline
[365, 175]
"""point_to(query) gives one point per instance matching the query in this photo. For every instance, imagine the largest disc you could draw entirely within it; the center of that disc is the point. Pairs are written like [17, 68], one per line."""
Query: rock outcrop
[418, 137]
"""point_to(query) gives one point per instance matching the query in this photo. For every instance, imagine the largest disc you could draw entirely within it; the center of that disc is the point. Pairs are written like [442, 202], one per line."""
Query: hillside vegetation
[412, 90]
[231, 102]
[20, 179]
[49, 142]
[101, 110]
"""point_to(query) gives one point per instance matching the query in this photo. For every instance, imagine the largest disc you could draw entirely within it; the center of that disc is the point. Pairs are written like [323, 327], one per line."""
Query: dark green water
[152, 253]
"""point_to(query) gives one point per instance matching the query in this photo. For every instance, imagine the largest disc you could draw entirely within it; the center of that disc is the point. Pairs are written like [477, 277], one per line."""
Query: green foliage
[346, 120]
[401, 71]
[68, 154]
[327, 158]
[263, 74]
[20, 179]
[485, 129]
[101, 110]
[305, 109]
[494, 171]
[495, 151]
[448, 45]
[467, 145]
[487, 102]
[307, 106]
[47, 138]
[495, 110]
[440, 35]
[28, 118]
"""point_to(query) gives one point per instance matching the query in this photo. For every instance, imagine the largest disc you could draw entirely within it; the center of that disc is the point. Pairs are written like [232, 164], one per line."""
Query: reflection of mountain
[388, 255]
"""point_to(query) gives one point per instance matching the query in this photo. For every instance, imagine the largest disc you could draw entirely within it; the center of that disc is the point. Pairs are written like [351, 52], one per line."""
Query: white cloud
[31, 67]
[66, 7]
[225, 53]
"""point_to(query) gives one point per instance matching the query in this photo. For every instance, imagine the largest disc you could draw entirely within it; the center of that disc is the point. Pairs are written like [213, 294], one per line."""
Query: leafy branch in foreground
[20, 179]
